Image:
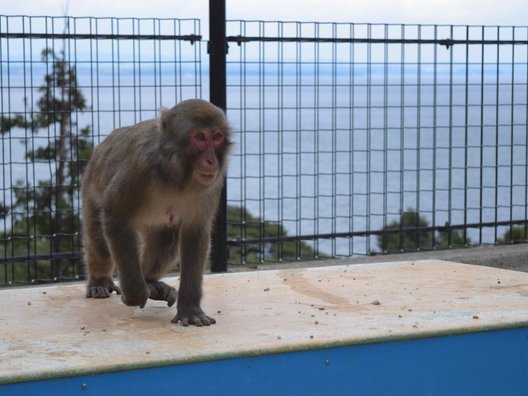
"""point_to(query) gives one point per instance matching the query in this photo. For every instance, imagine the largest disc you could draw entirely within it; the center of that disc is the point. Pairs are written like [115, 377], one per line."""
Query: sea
[325, 151]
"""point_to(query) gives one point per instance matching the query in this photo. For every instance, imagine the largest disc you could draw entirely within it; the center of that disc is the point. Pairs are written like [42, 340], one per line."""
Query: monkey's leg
[194, 249]
[124, 247]
[159, 253]
[99, 266]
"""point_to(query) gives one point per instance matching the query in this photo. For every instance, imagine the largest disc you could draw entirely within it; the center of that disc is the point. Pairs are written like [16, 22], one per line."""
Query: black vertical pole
[217, 49]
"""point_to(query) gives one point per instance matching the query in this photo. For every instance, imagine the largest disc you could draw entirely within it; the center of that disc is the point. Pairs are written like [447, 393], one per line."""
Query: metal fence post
[217, 49]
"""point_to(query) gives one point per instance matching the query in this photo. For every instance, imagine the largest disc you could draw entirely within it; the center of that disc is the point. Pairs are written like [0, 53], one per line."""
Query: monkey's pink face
[206, 143]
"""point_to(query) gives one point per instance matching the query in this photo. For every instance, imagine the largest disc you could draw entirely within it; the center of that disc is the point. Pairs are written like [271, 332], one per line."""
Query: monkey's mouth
[205, 178]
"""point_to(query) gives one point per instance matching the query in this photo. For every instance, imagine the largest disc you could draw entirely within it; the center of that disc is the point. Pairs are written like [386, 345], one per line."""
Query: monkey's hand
[192, 315]
[134, 293]
[162, 291]
[101, 288]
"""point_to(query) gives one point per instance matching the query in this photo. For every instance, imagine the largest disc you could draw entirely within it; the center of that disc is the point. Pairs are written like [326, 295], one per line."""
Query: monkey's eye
[200, 136]
[218, 136]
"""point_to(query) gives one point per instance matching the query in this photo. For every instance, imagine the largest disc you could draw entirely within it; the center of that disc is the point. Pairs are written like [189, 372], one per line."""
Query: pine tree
[47, 211]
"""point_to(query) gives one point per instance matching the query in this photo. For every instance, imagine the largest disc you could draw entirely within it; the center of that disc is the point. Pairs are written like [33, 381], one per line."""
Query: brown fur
[139, 190]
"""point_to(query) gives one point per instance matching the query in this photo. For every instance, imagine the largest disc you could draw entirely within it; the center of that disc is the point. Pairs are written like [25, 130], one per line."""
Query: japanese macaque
[150, 193]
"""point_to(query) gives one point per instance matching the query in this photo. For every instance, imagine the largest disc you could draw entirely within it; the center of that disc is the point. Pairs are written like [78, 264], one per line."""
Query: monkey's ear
[164, 117]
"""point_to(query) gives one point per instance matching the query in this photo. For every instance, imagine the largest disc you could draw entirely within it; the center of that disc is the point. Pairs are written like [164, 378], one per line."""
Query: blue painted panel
[488, 363]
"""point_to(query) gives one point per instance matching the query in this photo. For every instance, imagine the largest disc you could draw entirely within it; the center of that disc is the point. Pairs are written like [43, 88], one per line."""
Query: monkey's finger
[206, 320]
[171, 298]
[198, 320]
[178, 318]
[201, 320]
[116, 289]
[97, 292]
[198, 323]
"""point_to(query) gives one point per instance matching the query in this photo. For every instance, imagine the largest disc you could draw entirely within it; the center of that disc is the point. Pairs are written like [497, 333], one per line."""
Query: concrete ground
[512, 257]
[53, 332]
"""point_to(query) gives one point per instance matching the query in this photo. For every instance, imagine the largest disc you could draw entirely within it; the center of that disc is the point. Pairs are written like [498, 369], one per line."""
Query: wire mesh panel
[65, 83]
[351, 139]
[358, 138]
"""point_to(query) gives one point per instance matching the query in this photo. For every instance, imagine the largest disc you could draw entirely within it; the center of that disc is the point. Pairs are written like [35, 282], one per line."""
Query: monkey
[150, 192]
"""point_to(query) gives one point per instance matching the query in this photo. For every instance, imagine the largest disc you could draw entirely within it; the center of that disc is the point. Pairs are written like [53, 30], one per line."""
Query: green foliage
[410, 234]
[6, 123]
[4, 211]
[515, 234]
[242, 225]
[44, 217]
[451, 239]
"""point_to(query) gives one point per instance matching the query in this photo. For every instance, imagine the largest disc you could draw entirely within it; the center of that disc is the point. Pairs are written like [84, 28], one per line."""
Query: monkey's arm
[123, 242]
[194, 249]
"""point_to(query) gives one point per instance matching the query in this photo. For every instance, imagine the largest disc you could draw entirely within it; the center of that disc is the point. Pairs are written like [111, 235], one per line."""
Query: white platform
[52, 331]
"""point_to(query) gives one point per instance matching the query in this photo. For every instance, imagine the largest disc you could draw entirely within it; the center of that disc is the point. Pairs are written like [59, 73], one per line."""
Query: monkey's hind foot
[101, 288]
[163, 292]
[194, 316]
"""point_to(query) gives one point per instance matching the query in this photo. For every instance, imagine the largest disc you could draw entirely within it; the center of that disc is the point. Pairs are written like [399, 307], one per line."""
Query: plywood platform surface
[53, 331]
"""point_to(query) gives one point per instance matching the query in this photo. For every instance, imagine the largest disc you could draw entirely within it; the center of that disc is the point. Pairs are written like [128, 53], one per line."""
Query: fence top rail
[447, 42]
[77, 36]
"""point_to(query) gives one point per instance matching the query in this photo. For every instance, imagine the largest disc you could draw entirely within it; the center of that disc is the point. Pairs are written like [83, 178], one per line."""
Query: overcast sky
[472, 12]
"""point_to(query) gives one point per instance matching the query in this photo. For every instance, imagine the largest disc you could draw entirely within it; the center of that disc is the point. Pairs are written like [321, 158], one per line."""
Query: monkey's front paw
[194, 316]
[134, 299]
[162, 291]
[101, 288]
